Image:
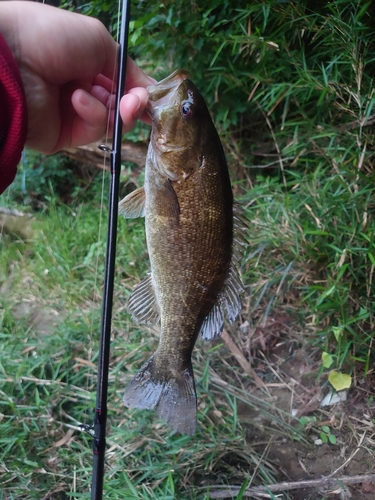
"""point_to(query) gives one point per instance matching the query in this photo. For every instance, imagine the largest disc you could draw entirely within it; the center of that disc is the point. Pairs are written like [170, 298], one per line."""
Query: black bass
[194, 231]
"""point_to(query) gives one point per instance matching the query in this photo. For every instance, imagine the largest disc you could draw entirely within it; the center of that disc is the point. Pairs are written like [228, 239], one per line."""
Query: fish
[195, 234]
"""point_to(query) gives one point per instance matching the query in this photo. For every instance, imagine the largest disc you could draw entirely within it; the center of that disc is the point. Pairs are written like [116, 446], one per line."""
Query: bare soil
[286, 373]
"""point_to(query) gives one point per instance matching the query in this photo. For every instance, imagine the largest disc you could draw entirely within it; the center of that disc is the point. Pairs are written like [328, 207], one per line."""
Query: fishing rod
[100, 420]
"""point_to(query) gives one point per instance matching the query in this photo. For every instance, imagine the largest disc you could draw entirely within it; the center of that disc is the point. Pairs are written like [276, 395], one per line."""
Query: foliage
[325, 434]
[290, 86]
[287, 60]
[40, 177]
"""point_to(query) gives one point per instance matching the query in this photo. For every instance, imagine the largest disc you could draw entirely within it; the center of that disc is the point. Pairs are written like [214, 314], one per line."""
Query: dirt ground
[289, 376]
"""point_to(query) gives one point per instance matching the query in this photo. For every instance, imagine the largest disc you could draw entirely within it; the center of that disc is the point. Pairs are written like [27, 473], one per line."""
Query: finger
[135, 77]
[103, 96]
[91, 122]
[105, 82]
[132, 108]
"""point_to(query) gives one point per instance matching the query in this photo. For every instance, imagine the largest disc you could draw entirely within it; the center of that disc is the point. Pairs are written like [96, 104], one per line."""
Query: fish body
[191, 227]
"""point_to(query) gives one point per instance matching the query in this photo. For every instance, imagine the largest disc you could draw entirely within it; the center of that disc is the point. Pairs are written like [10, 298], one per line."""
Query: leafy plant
[326, 436]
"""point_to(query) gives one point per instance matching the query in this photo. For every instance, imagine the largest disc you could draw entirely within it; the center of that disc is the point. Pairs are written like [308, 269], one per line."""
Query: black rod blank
[100, 420]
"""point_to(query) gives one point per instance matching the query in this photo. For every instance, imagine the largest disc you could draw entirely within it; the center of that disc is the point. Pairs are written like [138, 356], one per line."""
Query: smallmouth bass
[194, 233]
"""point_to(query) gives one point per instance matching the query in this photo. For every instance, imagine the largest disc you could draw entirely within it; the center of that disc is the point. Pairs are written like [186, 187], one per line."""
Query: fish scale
[194, 231]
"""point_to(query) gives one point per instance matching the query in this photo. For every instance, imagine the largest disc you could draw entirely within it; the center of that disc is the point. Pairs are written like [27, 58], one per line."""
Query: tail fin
[173, 397]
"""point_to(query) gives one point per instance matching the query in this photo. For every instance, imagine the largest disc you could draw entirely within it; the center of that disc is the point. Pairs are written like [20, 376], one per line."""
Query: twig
[272, 162]
[13, 211]
[134, 152]
[357, 123]
[240, 358]
[46, 382]
[297, 485]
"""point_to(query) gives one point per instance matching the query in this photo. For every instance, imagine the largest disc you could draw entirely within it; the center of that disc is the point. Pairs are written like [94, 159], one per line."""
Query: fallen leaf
[332, 398]
[65, 439]
[327, 360]
[339, 380]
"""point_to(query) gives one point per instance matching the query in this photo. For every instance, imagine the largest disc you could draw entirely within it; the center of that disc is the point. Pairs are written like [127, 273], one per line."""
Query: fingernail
[137, 112]
[86, 99]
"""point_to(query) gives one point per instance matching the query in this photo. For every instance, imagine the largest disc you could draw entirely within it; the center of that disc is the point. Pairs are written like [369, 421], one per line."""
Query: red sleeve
[13, 116]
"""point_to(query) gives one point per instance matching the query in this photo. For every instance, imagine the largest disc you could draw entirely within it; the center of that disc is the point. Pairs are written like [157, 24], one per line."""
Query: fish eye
[186, 109]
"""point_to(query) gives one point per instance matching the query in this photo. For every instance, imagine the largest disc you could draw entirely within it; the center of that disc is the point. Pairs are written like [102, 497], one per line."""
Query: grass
[301, 157]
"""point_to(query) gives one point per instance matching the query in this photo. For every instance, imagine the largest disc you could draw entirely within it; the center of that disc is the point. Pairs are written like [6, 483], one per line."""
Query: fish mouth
[162, 93]
[162, 88]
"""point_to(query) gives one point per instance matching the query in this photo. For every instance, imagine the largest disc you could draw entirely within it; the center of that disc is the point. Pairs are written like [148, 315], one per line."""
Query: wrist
[13, 115]
[10, 27]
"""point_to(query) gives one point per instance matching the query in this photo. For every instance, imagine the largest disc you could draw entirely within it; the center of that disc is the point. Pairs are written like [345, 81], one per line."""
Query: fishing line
[99, 441]
[104, 172]
[101, 210]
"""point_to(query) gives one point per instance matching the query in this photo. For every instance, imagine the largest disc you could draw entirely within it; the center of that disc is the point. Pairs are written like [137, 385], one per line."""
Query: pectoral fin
[168, 204]
[133, 205]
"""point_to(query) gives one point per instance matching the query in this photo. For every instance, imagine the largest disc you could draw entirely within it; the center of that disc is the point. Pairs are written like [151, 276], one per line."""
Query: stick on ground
[287, 486]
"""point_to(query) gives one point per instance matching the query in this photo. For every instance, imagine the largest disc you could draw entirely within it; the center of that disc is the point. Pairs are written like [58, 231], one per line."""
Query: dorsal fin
[229, 299]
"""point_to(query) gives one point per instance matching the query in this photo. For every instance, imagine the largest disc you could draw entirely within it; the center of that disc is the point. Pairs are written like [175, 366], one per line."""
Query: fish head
[179, 117]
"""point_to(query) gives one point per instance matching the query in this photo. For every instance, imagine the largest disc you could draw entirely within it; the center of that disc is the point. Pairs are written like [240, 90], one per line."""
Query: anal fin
[142, 304]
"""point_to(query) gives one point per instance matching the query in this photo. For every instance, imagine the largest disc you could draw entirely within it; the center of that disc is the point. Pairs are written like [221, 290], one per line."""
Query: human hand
[67, 63]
